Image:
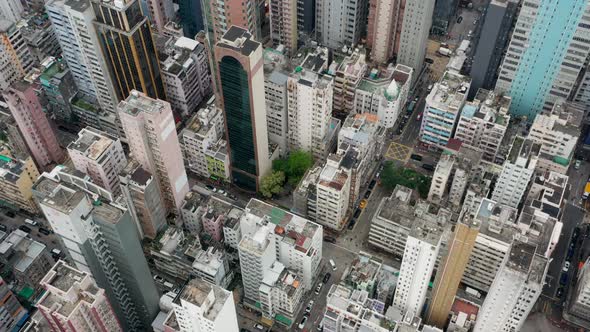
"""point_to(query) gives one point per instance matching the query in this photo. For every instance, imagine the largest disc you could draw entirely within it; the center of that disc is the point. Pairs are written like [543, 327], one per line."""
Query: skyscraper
[129, 48]
[283, 23]
[11, 10]
[381, 34]
[221, 15]
[515, 290]
[416, 22]
[240, 81]
[72, 21]
[36, 129]
[13, 52]
[495, 31]
[340, 23]
[548, 49]
[69, 298]
[450, 271]
[150, 128]
[191, 17]
[101, 238]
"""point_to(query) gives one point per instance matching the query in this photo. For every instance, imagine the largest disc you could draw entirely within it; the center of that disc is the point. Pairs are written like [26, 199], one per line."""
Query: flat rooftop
[240, 40]
[209, 297]
[92, 143]
[450, 92]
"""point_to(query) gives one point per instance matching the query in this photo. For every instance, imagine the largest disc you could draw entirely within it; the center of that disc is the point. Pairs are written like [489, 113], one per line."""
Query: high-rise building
[185, 71]
[443, 15]
[347, 76]
[417, 18]
[151, 131]
[129, 48]
[40, 38]
[160, 12]
[283, 24]
[340, 23]
[101, 238]
[309, 96]
[13, 51]
[204, 307]
[306, 16]
[36, 129]
[219, 16]
[275, 89]
[76, 33]
[73, 299]
[450, 272]
[443, 105]
[144, 199]
[16, 179]
[516, 173]
[515, 290]
[99, 155]
[482, 123]
[191, 17]
[497, 23]
[420, 254]
[240, 81]
[545, 56]
[59, 89]
[266, 252]
[11, 10]
[11, 311]
[201, 133]
[381, 31]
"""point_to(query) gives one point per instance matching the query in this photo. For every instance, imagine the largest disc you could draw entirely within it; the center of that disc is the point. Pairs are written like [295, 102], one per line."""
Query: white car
[302, 324]
[566, 267]
[309, 306]
[318, 289]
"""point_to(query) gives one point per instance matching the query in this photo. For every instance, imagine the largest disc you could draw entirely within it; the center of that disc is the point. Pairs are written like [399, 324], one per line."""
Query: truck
[444, 51]
[586, 190]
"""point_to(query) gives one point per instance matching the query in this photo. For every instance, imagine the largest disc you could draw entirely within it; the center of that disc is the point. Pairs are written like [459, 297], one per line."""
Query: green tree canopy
[272, 184]
[294, 166]
[392, 176]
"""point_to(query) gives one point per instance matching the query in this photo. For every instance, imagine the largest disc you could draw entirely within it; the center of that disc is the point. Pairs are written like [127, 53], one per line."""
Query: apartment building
[347, 76]
[339, 24]
[151, 131]
[12, 311]
[443, 105]
[99, 155]
[16, 180]
[275, 91]
[73, 299]
[144, 199]
[185, 72]
[416, 22]
[310, 97]
[517, 172]
[384, 18]
[482, 123]
[28, 259]
[201, 133]
[515, 289]
[283, 24]
[13, 50]
[541, 65]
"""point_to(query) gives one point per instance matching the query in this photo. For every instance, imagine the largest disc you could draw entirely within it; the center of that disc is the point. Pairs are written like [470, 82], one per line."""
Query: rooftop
[209, 297]
[240, 40]
[92, 143]
[523, 148]
[450, 92]
[21, 250]
[293, 229]
[10, 169]
[137, 102]
[523, 259]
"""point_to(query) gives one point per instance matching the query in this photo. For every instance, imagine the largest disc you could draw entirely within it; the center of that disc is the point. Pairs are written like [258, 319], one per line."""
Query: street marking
[398, 151]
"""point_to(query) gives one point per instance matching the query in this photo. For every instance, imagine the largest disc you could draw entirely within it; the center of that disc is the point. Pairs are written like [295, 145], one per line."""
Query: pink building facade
[33, 124]
[73, 302]
[151, 132]
[213, 225]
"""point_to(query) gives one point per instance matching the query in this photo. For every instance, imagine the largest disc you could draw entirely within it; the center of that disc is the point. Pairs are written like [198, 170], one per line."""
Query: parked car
[10, 214]
[368, 194]
[460, 19]
[303, 321]
[309, 306]
[259, 327]
[333, 265]
[428, 167]
[351, 224]
[24, 229]
[329, 239]
[3, 228]
[157, 278]
[563, 279]
[327, 277]
[318, 289]
[31, 222]
[363, 203]
[372, 184]
[416, 157]
[559, 292]
[419, 117]
[44, 231]
[566, 266]
[210, 187]
[577, 164]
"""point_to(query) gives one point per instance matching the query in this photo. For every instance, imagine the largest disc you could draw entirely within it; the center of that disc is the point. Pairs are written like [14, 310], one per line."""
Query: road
[51, 240]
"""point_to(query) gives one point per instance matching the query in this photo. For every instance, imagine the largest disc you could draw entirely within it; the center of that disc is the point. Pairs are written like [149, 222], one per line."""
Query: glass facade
[235, 89]
[191, 17]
